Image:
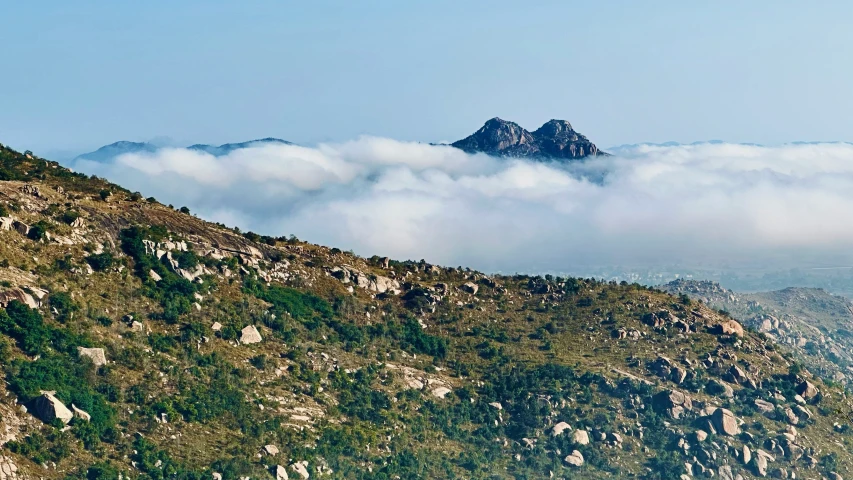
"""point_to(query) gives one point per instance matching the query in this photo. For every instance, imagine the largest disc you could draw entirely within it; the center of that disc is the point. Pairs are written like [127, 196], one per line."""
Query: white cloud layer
[707, 204]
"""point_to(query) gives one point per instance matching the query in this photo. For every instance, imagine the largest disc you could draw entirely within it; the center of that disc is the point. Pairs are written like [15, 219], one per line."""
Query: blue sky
[81, 74]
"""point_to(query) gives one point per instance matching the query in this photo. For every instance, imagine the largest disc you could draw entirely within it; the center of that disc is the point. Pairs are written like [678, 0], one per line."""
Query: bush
[37, 232]
[101, 261]
[64, 305]
[70, 216]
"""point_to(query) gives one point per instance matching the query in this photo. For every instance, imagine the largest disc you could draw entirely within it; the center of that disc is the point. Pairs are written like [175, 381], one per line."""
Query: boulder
[807, 390]
[6, 223]
[96, 355]
[469, 287]
[440, 392]
[678, 375]
[580, 437]
[761, 461]
[725, 473]
[725, 422]
[720, 388]
[560, 428]
[575, 459]
[730, 327]
[21, 227]
[270, 449]
[250, 335]
[701, 436]
[154, 276]
[746, 455]
[764, 406]
[216, 326]
[301, 468]
[280, 473]
[49, 408]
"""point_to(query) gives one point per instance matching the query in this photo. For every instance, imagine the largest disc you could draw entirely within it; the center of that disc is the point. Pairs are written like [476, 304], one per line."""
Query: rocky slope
[815, 324]
[139, 341]
[555, 140]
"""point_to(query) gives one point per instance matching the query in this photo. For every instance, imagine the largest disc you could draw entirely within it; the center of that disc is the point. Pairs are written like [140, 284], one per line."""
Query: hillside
[815, 324]
[139, 341]
[555, 140]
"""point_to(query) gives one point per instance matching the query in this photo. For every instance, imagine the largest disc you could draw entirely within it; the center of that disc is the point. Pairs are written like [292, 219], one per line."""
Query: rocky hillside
[554, 140]
[141, 342]
[815, 324]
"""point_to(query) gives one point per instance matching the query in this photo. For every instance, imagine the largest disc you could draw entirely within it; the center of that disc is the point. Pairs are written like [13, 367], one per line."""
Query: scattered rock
[96, 355]
[280, 473]
[250, 335]
[271, 450]
[725, 422]
[301, 468]
[575, 459]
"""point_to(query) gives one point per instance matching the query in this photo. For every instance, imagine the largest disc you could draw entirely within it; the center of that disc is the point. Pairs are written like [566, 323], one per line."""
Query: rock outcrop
[49, 408]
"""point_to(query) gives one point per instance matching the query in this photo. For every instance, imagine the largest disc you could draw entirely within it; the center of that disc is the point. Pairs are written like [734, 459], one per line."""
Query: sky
[83, 74]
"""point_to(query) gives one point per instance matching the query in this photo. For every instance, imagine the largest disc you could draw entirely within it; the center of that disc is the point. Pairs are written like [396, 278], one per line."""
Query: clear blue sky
[81, 74]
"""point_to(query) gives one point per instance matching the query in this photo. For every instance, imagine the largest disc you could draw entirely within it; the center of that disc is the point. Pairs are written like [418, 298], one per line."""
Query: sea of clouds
[701, 204]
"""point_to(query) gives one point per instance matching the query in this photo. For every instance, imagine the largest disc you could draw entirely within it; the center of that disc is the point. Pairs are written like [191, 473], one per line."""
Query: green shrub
[101, 261]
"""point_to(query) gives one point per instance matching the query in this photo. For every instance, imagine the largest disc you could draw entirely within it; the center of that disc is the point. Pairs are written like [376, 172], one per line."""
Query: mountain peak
[556, 139]
[554, 127]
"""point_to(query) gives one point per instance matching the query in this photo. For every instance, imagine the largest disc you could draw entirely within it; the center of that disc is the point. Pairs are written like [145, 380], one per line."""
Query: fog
[703, 204]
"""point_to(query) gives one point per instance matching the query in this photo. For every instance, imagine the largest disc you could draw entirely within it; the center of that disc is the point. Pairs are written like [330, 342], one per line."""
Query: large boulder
[725, 422]
[760, 462]
[280, 473]
[250, 335]
[49, 408]
[575, 459]
[96, 355]
[807, 390]
[730, 327]
[560, 428]
[469, 287]
[580, 437]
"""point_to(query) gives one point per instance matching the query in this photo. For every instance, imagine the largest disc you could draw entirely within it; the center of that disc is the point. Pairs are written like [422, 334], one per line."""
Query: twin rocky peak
[554, 140]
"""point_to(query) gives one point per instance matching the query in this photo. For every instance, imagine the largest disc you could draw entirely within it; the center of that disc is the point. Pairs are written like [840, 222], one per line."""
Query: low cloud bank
[695, 205]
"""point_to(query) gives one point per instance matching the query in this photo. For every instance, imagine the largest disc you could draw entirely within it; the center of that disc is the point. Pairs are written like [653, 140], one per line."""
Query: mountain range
[555, 140]
[108, 152]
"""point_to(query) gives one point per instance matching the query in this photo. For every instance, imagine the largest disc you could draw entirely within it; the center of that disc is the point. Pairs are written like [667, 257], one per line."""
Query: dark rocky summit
[556, 139]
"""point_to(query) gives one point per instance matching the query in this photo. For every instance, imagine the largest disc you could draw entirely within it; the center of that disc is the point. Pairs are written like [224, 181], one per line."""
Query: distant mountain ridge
[113, 150]
[556, 139]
